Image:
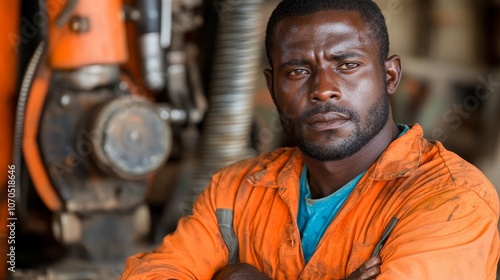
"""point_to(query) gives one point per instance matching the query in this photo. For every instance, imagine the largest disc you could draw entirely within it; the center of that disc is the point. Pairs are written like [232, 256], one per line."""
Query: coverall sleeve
[195, 250]
[450, 235]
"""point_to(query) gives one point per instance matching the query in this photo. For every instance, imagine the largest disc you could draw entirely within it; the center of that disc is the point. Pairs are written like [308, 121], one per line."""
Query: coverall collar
[402, 156]
[400, 159]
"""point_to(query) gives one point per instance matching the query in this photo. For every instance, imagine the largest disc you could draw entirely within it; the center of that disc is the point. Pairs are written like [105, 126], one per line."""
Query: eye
[297, 72]
[348, 66]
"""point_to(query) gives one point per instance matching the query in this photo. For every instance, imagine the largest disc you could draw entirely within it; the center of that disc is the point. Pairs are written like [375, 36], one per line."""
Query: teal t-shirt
[315, 215]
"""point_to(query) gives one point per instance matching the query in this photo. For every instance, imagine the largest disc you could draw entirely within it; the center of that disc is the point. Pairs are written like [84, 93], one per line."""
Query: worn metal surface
[129, 138]
[66, 143]
[153, 61]
[90, 77]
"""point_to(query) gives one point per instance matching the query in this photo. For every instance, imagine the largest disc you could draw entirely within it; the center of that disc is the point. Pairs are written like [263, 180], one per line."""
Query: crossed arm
[369, 270]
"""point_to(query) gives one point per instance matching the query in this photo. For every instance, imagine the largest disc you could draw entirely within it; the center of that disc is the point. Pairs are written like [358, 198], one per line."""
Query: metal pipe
[152, 54]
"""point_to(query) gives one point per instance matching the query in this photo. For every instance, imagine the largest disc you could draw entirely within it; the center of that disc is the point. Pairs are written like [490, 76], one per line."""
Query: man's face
[328, 83]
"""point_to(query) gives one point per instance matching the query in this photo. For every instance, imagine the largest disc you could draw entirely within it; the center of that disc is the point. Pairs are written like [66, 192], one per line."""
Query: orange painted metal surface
[31, 151]
[103, 43]
[9, 18]
[9, 37]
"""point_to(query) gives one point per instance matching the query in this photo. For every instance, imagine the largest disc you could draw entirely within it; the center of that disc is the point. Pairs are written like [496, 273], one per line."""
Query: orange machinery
[88, 137]
[9, 17]
[111, 92]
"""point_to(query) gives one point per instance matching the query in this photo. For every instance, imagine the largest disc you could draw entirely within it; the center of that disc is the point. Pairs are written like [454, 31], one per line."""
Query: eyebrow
[344, 56]
[294, 62]
[336, 57]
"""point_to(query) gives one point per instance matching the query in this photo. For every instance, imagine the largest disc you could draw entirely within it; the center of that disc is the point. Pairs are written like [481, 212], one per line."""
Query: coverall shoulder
[447, 229]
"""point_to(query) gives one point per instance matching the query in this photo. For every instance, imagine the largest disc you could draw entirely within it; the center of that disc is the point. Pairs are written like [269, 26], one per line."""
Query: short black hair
[369, 11]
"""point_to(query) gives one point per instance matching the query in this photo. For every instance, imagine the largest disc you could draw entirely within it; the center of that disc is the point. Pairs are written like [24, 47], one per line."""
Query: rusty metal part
[110, 235]
[104, 245]
[142, 221]
[185, 90]
[130, 138]
[67, 142]
[90, 77]
[71, 228]
[67, 228]
[79, 24]
[153, 61]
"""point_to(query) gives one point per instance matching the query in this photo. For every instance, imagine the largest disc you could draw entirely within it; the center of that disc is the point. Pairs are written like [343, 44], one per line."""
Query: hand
[369, 270]
[239, 271]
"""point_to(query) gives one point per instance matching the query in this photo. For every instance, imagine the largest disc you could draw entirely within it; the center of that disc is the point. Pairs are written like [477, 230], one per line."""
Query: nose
[324, 87]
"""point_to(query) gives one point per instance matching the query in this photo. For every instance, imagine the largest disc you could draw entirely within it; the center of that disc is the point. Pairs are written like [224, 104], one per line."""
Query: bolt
[123, 86]
[153, 159]
[65, 100]
[164, 114]
[79, 24]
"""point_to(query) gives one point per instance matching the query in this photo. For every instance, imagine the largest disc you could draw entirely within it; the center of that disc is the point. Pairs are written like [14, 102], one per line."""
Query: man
[356, 181]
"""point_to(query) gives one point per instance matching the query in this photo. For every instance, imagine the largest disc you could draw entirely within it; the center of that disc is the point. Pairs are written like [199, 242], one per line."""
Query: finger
[370, 273]
[372, 262]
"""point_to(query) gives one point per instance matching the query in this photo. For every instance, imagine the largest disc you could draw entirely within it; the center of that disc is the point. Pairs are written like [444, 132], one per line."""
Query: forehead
[342, 30]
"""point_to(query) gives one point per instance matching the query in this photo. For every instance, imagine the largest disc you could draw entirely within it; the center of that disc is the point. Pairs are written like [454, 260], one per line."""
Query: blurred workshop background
[116, 113]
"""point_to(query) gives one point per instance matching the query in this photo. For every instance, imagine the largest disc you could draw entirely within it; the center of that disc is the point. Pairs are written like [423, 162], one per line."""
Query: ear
[268, 73]
[393, 73]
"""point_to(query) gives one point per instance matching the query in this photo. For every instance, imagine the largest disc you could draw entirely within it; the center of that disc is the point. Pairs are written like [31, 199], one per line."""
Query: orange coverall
[448, 213]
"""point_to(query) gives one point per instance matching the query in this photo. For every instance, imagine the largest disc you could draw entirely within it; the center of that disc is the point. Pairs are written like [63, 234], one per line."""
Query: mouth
[327, 121]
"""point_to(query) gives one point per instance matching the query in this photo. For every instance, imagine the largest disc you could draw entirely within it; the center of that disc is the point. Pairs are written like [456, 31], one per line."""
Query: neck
[326, 177]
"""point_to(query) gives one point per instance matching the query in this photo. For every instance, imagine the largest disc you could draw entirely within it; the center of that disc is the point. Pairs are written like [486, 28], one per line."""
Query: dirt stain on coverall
[451, 214]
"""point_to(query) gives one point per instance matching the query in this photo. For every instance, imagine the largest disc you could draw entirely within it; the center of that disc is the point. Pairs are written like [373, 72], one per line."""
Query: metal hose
[226, 132]
[19, 124]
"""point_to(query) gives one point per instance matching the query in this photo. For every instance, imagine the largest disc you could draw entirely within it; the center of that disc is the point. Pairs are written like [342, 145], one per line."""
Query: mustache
[326, 108]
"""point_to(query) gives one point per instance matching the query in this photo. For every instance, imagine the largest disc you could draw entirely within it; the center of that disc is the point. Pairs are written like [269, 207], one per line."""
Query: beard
[337, 149]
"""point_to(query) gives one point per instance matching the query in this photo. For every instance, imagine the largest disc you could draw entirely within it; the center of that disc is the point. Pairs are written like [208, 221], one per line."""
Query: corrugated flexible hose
[17, 156]
[226, 132]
